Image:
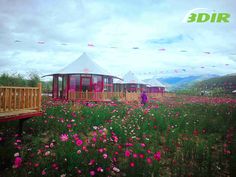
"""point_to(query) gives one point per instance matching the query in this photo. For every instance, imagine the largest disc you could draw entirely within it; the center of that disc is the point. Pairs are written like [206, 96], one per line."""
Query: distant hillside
[176, 83]
[226, 83]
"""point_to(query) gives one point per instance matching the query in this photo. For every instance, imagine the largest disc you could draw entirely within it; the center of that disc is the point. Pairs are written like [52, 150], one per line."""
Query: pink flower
[94, 139]
[79, 142]
[55, 166]
[143, 145]
[36, 165]
[141, 156]
[99, 169]
[43, 172]
[149, 160]
[100, 150]
[92, 161]
[18, 141]
[135, 156]
[131, 164]
[157, 156]
[17, 162]
[127, 153]
[64, 137]
[105, 156]
[92, 173]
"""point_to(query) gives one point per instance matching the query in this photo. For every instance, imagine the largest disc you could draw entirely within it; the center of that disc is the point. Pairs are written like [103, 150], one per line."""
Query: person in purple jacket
[144, 98]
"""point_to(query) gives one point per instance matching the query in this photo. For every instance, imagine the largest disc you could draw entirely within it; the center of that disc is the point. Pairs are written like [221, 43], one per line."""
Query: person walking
[144, 98]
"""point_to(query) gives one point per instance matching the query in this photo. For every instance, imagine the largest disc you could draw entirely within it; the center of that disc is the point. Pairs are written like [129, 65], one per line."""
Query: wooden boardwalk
[19, 102]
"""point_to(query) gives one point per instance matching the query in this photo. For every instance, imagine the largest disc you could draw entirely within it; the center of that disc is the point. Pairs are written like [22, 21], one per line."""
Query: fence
[107, 96]
[20, 98]
[96, 96]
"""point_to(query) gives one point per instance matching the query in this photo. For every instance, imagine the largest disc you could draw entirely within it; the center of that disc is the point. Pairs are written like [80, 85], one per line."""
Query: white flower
[17, 154]
[116, 169]
[63, 175]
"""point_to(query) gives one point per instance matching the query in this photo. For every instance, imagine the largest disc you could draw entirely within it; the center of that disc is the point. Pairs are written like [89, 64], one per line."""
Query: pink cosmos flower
[157, 156]
[127, 153]
[131, 164]
[92, 173]
[17, 162]
[64, 137]
[94, 139]
[99, 169]
[100, 150]
[142, 144]
[149, 160]
[135, 156]
[79, 142]
[105, 156]
[141, 156]
[36, 165]
[43, 172]
[92, 161]
[55, 166]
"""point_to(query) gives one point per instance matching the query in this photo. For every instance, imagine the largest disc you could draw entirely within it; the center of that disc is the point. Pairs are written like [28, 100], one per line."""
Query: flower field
[172, 137]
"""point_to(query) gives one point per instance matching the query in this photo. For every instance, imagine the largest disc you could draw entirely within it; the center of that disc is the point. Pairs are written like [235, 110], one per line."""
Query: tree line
[18, 80]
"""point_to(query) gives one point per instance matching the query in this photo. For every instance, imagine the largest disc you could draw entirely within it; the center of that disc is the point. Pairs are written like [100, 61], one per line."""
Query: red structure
[154, 86]
[82, 75]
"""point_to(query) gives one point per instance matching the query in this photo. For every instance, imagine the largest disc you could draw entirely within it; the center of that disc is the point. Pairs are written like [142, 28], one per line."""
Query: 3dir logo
[203, 16]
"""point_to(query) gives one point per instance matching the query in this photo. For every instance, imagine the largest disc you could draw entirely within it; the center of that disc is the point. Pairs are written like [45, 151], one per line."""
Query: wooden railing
[96, 96]
[107, 96]
[20, 98]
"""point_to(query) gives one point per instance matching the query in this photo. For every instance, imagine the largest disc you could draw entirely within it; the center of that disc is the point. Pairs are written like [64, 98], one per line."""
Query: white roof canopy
[130, 78]
[153, 82]
[84, 65]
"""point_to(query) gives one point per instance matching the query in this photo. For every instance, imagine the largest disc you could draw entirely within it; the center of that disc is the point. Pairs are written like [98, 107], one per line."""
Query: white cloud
[115, 27]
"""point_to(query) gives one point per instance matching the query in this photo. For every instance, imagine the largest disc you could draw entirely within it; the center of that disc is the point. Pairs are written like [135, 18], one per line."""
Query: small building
[130, 83]
[82, 75]
[154, 86]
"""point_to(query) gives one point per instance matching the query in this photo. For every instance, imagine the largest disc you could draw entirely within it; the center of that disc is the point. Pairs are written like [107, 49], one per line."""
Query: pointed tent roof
[84, 65]
[131, 78]
[153, 82]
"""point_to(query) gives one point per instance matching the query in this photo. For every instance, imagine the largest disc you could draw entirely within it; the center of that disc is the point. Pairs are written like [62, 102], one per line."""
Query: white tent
[84, 65]
[153, 82]
[130, 78]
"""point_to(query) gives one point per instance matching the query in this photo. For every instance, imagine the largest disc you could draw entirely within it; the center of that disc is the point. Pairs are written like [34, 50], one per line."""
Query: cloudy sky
[149, 37]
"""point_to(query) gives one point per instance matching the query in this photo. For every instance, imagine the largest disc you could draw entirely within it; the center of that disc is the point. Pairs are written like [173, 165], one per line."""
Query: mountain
[227, 83]
[175, 83]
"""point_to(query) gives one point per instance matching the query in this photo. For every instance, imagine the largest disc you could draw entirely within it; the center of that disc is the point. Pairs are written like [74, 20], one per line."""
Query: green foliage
[12, 80]
[19, 80]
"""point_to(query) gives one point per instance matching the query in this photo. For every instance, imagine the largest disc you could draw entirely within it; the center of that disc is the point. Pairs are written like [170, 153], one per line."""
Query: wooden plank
[39, 95]
[23, 98]
[14, 98]
[5, 100]
[34, 100]
[17, 87]
[16, 115]
[19, 99]
[1, 99]
[9, 100]
[30, 98]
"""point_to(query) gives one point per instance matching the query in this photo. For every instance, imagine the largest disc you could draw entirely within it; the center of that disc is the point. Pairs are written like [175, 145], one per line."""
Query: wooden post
[39, 95]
